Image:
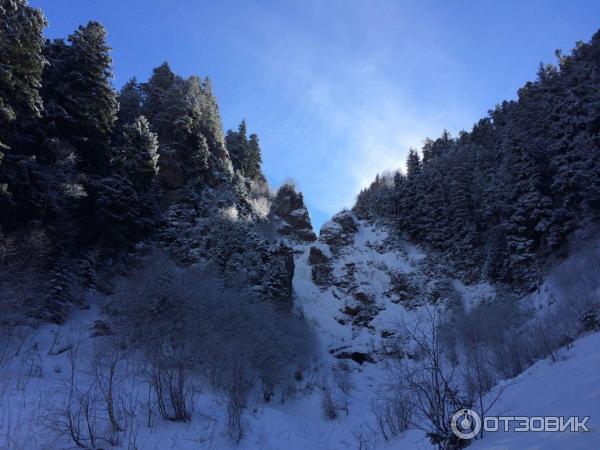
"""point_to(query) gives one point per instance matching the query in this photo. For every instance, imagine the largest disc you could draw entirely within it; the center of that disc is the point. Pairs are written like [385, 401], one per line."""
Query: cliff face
[290, 213]
[241, 230]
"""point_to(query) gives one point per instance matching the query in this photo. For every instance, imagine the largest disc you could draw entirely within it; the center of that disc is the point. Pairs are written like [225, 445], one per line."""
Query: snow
[569, 387]
[32, 383]
[330, 226]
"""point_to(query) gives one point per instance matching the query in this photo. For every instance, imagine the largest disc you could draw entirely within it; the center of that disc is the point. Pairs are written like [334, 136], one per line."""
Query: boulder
[316, 256]
[288, 206]
[339, 231]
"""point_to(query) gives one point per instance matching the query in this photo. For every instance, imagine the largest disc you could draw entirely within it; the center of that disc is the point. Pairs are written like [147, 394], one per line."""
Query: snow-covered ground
[33, 384]
[568, 387]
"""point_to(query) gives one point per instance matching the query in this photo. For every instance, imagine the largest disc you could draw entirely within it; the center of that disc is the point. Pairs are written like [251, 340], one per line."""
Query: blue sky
[338, 90]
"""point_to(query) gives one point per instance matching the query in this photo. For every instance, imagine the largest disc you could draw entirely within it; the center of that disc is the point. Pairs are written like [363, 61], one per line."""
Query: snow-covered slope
[354, 316]
[568, 387]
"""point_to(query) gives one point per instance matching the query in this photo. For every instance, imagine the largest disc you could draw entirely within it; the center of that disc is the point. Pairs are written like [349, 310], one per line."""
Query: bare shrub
[173, 390]
[577, 285]
[364, 438]
[429, 384]
[186, 323]
[392, 413]
[23, 258]
[77, 414]
[108, 359]
[329, 405]
[239, 381]
[333, 402]
[343, 378]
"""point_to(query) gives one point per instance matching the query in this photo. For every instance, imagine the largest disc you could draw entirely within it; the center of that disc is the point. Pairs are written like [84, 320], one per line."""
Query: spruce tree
[138, 154]
[212, 128]
[155, 91]
[94, 102]
[254, 160]
[81, 105]
[237, 145]
[130, 102]
[184, 149]
[21, 66]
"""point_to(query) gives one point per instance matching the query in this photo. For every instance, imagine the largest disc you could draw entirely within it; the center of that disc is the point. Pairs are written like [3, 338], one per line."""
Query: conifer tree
[212, 128]
[81, 105]
[138, 155]
[155, 91]
[254, 160]
[130, 102]
[94, 102]
[237, 144]
[21, 66]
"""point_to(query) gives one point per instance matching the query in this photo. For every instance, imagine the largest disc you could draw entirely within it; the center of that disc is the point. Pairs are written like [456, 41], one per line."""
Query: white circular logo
[466, 423]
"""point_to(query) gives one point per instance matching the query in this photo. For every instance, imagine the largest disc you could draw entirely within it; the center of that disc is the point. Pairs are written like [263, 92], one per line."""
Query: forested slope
[500, 199]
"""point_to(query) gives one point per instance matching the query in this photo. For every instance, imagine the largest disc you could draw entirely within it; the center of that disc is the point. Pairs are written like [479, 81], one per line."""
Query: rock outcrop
[220, 228]
[321, 267]
[339, 231]
[289, 210]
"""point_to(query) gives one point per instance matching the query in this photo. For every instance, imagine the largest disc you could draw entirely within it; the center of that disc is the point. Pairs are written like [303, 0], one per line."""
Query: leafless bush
[186, 323]
[511, 354]
[364, 438]
[22, 259]
[77, 414]
[430, 385]
[174, 392]
[108, 359]
[333, 402]
[343, 378]
[329, 406]
[577, 285]
[238, 382]
[260, 189]
[392, 413]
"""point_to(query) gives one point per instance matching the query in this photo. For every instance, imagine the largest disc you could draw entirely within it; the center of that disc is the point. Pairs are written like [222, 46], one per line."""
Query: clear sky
[338, 90]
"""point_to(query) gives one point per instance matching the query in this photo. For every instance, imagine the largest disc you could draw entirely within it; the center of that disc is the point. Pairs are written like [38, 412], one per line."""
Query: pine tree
[130, 102]
[22, 185]
[155, 91]
[21, 66]
[254, 160]
[138, 154]
[237, 144]
[413, 193]
[413, 164]
[81, 105]
[245, 153]
[94, 100]
[212, 129]
[184, 149]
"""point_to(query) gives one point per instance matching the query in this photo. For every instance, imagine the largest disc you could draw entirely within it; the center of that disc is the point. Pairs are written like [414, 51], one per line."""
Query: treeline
[87, 164]
[500, 199]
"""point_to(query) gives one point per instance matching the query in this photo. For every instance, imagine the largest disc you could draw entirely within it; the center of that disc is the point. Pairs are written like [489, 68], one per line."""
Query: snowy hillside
[355, 318]
[568, 387]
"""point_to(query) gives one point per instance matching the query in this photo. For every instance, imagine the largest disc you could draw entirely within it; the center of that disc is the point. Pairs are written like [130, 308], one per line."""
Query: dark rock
[358, 357]
[347, 220]
[363, 297]
[321, 275]
[316, 256]
[339, 231]
[403, 289]
[288, 206]
[101, 328]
